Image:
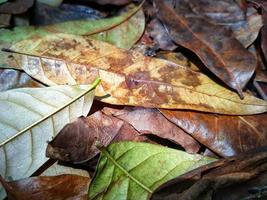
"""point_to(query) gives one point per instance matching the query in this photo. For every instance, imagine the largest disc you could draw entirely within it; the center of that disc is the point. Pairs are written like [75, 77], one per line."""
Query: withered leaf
[244, 21]
[237, 176]
[151, 121]
[112, 2]
[221, 53]
[225, 135]
[128, 77]
[48, 188]
[77, 142]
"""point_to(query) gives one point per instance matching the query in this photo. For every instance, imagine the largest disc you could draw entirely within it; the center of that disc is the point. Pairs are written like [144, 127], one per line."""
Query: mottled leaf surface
[128, 77]
[111, 29]
[225, 135]
[216, 47]
[118, 177]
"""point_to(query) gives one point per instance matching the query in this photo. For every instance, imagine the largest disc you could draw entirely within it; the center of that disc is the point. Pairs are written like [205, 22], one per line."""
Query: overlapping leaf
[128, 77]
[119, 177]
[225, 135]
[111, 30]
[29, 117]
[221, 53]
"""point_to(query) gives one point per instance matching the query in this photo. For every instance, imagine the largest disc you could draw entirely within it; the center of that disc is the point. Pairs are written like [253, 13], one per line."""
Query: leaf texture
[119, 177]
[128, 77]
[221, 53]
[29, 117]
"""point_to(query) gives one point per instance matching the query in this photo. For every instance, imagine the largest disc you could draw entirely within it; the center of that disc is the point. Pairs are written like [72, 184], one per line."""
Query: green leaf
[29, 117]
[131, 170]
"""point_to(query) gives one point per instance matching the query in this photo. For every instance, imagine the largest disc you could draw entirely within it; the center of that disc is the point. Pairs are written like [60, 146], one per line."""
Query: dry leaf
[128, 77]
[60, 187]
[150, 121]
[232, 178]
[221, 53]
[77, 142]
[225, 135]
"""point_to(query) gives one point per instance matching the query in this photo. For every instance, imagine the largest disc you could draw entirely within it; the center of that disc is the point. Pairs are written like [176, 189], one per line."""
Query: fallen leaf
[157, 31]
[151, 121]
[227, 13]
[42, 113]
[221, 53]
[15, 6]
[48, 188]
[77, 141]
[128, 77]
[110, 30]
[225, 135]
[10, 79]
[238, 177]
[120, 172]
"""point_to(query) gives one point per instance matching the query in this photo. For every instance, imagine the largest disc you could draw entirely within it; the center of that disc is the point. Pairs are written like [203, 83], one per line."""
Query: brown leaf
[264, 30]
[48, 188]
[225, 135]
[128, 77]
[214, 45]
[236, 175]
[10, 79]
[15, 6]
[160, 36]
[245, 23]
[77, 142]
[150, 121]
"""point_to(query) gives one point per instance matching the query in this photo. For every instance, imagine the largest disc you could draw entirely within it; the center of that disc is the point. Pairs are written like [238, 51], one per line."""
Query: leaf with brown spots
[225, 135]
[128, 77]
[151, 121]
[77, 141]
[221, 53]
[48, 188]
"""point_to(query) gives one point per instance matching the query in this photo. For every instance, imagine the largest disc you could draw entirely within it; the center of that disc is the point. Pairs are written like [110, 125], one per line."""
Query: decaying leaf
[242, 177]
[119, 177]
[10, 79]
[77, 141]
[151, 121]
[111, 30]
[244, 24]
[29, 117]
[221, 53]
[128, 77]
[225, 135]
[60, 187]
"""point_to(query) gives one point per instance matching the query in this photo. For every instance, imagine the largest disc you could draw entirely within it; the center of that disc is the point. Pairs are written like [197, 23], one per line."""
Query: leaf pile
[133, 100]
